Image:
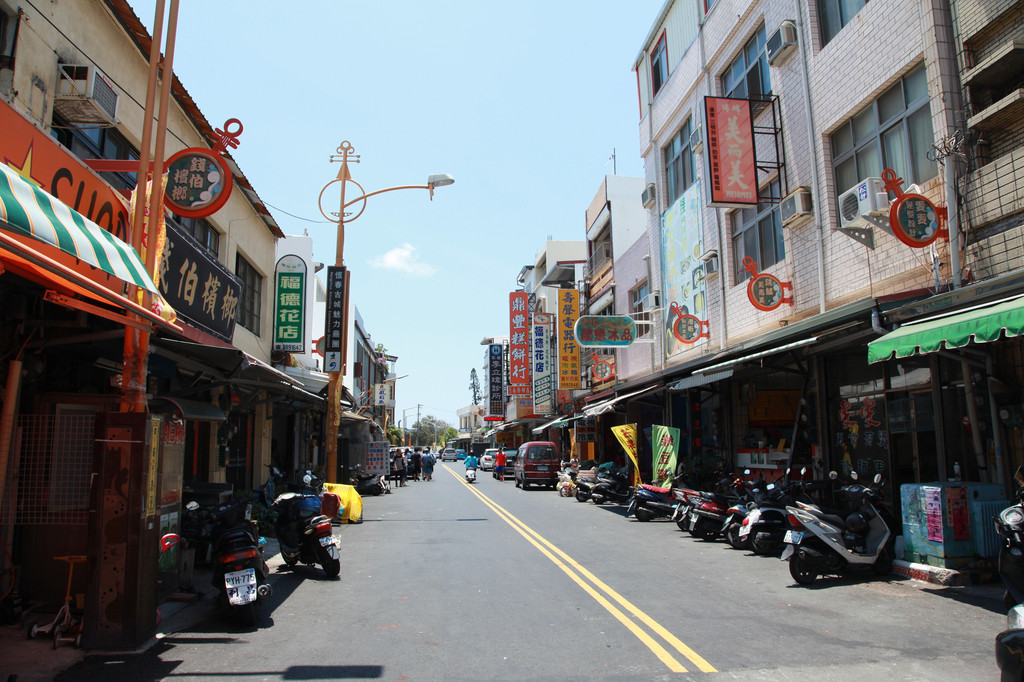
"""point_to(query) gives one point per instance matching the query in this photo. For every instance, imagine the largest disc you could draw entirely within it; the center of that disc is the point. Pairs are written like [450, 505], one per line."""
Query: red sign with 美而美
[732, 162]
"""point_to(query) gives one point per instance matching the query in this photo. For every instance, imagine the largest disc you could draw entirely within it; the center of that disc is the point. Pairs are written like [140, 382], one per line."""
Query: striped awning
[33, 212]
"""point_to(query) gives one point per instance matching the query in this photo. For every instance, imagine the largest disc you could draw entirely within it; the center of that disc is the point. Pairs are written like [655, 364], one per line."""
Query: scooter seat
[656, 489]
[831, 519]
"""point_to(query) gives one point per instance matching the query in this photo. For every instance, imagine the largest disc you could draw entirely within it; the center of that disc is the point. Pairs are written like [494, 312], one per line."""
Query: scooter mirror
[854, 475]
[746, 472]
[307, 479]
[771, 486]
[803, 471]
[878, 479]
[833, 475]
[192, 506]
[168, 541]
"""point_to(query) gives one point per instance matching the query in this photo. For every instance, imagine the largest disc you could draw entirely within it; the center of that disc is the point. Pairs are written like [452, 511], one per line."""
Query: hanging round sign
[765, 292]
[198, 183]
[690, 329]
[914, 220]
[603, 371]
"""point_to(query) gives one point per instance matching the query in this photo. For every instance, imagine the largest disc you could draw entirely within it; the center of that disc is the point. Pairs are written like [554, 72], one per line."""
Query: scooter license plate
[793, 537]
[751, 520]
[240, 586]
[331, 543]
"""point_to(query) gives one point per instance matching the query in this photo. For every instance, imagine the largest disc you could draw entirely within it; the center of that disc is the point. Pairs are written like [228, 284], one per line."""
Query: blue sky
[523, 103]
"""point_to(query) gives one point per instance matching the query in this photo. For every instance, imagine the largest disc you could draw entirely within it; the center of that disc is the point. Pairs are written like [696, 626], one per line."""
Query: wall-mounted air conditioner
[649, 196]
[85, 95]
[696, 141]
[711, 262]
[781, 43]
[796, 207]
[867, 197]
[652, 301]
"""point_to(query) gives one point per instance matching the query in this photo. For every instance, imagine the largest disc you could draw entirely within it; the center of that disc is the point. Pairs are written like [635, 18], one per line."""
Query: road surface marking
[576, 572]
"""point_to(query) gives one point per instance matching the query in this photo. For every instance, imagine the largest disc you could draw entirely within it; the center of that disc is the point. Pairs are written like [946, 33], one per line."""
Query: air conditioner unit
[649, 196]
[711, 262]
[85, 95]
[867, 197]
[796, 206]
[652, 301]
[696, 141]
[782, 42]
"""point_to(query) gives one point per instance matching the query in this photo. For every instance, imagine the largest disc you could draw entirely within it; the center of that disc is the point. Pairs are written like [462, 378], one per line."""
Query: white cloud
[403, 259]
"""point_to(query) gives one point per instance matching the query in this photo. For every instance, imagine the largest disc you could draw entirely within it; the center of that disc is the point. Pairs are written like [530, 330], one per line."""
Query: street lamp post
[345, 156]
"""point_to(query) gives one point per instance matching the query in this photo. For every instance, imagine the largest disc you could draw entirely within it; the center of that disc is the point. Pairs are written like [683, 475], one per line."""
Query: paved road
[446, 581]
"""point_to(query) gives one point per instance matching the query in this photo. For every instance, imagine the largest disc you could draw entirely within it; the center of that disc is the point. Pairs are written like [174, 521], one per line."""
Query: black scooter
[303, 532]
[613, 487]
[1010, 525]
[369, 484]
[239, 568]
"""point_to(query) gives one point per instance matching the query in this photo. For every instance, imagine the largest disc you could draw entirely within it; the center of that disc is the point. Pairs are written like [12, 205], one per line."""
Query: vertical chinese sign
[543, 376]
[568, 349]
[334, 319]
[732, 165]
[682, 245]
[518, 345]
[495, 383]
[198, 287]
[290, 298]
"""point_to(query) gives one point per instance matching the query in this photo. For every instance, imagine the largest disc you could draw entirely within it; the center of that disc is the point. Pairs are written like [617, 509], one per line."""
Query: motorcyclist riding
[472, 463]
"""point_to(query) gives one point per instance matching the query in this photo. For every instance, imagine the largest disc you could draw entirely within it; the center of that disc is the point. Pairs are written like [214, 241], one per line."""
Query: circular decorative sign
[603, 371]
[766, 292]
[198, 183]
[568, 408]
[688, 328]
[914, 220]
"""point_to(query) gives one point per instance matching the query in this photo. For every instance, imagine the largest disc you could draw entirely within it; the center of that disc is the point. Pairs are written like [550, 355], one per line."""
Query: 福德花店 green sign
[290, 305]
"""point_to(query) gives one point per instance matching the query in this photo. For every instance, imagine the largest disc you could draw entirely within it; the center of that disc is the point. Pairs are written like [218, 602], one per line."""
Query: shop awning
[980, 324]
[193, 410]
[696, 380]
[557, 423]
[31, 211]
[754, 356]
[609, 405]
[231, 365]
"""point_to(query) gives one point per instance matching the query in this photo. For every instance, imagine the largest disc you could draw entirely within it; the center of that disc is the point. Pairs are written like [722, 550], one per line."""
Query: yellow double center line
[577, 573]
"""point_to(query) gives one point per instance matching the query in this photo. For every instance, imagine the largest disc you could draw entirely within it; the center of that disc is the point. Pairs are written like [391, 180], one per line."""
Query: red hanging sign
[915, 220]
[766, 292]
[689, 328]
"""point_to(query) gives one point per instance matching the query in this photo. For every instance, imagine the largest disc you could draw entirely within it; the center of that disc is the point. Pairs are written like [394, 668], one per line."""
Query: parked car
[537, 463]
[460, 454]
[449, 455]
[487, 459]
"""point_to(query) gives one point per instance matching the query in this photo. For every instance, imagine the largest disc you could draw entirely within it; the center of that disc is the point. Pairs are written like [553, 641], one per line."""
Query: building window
[203, 232]
[834, 14]
[679, 172]
[894, 131]
[251, 296]
[747, 76]
[659, 64]
[97, 142]
[757, 232]
[637, 306]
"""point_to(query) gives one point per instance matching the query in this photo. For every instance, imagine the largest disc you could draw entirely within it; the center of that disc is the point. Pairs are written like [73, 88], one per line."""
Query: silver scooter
[824, 542]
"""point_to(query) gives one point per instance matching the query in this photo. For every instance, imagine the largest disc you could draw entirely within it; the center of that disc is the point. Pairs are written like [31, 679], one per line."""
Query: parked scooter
[1010, 526]
[653, 502]
[303, 532]
[824, 543]
[239, 568]
[709, 511]
[369, 484]
[611, 487]
[767, 522]
[584, 487]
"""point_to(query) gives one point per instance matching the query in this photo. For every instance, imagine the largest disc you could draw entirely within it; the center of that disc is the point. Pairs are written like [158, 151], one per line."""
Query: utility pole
[418, 406]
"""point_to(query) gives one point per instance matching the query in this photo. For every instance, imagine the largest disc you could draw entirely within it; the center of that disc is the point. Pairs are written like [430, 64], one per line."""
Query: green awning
[34, 213]
[980, 324]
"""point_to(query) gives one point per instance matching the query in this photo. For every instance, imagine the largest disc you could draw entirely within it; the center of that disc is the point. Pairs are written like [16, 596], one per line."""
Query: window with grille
[659, 65]
[638, 308]
[757, 232]
[747, 76]
[97, 142]
[249, 303]
[894, 131]
[679, 166]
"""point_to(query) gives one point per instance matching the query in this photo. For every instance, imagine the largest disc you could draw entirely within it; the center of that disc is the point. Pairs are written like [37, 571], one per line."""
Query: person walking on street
[417, 463]
[428, 465]
[499, 465]
[400, 467]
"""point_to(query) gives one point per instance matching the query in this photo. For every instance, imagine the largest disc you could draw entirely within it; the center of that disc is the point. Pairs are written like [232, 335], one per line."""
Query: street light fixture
[345, 155]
